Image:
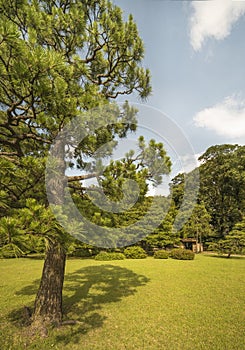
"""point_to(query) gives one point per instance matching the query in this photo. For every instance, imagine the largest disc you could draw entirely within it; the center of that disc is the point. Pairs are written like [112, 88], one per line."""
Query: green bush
[135, 253]
[182, 254]
[161, 254]
[106, 256]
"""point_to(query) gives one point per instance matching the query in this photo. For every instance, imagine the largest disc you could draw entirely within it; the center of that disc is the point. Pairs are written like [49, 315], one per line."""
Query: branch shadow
[224, 256]
[86, 291]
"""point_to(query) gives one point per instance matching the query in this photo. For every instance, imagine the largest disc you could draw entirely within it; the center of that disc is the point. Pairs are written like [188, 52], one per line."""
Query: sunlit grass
[133, 304]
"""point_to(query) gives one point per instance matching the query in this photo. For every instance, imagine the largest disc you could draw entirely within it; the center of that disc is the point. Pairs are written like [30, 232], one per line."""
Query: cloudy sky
[195, 51]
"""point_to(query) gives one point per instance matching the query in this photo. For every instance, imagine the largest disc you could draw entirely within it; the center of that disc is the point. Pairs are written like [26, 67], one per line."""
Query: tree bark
[48, 303]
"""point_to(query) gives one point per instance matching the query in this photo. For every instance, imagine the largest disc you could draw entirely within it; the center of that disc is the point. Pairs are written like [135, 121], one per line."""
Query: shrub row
[129, 253]
[139, 253]
[178, 253]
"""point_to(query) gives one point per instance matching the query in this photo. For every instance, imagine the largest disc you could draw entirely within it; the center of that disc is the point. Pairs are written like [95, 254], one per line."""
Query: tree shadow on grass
[86, 291]
[89, 288]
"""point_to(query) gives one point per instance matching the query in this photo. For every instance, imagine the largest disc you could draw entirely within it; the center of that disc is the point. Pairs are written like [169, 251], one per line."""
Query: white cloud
[189, 162]
[213, 19]
[226, 118]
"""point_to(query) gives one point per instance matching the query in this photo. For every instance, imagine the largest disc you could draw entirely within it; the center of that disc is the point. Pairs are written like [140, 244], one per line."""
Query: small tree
[234, 242]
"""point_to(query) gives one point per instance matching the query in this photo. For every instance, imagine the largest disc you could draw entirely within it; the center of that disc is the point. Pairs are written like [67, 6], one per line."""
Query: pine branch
[82, 177]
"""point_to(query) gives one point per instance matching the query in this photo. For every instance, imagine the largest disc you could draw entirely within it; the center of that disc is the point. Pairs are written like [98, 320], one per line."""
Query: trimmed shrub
[135, 253]
[161, 254]
[182, 254]
[106, 256]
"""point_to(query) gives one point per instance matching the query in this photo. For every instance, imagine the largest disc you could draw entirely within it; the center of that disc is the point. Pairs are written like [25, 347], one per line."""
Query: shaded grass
[133, 304]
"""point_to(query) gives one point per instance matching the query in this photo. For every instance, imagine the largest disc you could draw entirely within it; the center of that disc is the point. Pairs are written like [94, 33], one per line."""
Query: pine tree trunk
[48, 303]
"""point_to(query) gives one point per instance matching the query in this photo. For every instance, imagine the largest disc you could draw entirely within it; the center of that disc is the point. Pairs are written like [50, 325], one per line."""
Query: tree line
[213, 218]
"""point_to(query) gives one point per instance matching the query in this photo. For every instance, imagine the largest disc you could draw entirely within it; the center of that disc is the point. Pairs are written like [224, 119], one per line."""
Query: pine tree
[59, 59]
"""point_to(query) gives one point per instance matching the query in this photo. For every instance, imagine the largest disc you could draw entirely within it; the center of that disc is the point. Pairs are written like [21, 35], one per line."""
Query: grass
[132, 304]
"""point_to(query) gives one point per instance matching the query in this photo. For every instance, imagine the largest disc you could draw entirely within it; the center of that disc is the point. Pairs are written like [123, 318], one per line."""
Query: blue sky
[195, 51]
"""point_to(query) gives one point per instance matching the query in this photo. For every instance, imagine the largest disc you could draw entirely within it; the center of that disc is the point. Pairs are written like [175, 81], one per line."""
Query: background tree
[177, 188]
[165, 235]
[222, 185]
[221, 192]
[234, 241]
[198, 224]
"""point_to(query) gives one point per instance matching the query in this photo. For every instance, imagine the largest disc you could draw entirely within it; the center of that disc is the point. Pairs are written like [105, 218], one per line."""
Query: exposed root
[39, 329]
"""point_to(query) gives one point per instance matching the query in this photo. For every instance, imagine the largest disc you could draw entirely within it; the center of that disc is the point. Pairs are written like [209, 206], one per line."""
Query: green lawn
[133, 304]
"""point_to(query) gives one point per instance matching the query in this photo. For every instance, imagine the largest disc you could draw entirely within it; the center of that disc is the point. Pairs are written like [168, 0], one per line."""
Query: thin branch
[8, 154]
[82, 177]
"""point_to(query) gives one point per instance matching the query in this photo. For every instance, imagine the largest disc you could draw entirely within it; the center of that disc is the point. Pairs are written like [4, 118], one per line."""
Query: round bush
[161, 254]
[182, 254]
[135, 253]
[106, 256]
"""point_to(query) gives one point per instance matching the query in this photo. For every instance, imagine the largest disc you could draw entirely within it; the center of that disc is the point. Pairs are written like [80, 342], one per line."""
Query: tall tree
[165, 235]
[57, 60]
[197, 224]
[222, 185]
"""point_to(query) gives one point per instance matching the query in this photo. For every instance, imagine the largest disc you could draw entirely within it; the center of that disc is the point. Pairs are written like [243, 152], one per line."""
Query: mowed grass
[132, 304]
